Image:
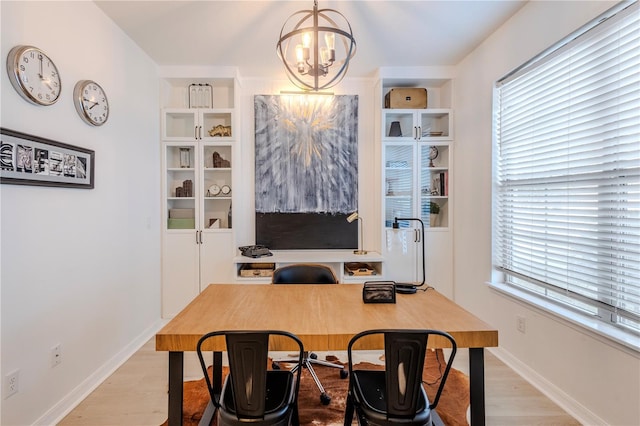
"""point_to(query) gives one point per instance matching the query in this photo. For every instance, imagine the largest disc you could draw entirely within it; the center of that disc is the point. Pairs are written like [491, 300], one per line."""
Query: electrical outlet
[521, 324]
[11, 383]
[56, 355]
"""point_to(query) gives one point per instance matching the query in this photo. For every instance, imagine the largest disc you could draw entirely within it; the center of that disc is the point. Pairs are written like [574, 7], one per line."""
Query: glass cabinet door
[434, 124]
[399, 181]
[217, 186]
[180, 188]
[399, 124]
[434, 184]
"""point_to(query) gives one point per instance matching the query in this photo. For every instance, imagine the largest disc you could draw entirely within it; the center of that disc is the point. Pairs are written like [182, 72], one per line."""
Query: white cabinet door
[216, 258]
[180, 271]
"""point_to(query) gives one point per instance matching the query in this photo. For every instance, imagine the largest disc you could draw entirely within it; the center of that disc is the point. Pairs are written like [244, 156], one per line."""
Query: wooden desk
[324, 317]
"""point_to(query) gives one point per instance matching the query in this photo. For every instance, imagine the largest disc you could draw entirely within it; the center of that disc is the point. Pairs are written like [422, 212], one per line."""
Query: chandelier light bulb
[324, 54]
[306, 40]
[330, 40]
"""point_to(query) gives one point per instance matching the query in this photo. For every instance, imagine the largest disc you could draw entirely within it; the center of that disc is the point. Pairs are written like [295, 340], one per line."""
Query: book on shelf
[440, 184]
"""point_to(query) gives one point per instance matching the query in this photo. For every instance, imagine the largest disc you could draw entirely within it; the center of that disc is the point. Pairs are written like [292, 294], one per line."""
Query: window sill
[603, 332]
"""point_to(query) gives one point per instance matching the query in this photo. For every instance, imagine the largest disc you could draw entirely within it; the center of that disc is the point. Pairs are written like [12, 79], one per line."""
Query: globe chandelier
[315, 49]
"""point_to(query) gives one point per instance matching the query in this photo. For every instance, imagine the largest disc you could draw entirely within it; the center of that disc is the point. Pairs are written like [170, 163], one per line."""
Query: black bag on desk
[379, 292]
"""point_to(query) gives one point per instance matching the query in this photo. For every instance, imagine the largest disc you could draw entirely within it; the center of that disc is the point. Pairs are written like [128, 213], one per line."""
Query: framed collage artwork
[32, 160]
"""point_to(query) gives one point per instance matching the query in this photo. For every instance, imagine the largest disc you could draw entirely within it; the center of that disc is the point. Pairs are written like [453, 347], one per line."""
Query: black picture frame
[32, 160]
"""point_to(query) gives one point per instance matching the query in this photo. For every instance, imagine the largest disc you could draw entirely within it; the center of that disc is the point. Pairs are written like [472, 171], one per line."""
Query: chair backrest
[248, 359]
[304, 273]
[404, 363]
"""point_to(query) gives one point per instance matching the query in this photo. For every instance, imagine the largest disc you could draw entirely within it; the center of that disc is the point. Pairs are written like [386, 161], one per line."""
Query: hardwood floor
[136, 395]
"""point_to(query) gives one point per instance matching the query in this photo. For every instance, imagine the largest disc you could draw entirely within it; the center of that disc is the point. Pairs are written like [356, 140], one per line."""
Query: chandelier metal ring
[308, 65]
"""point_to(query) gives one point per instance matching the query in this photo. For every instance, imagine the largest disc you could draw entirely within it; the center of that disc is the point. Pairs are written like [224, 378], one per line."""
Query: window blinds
[567, 128]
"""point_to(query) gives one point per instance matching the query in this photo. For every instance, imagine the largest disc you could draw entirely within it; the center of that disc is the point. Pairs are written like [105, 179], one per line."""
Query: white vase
[433, 220]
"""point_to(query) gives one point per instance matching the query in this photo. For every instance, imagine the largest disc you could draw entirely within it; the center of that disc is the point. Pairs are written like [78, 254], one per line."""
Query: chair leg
[348, 411]
[343, 373]
[325, 399]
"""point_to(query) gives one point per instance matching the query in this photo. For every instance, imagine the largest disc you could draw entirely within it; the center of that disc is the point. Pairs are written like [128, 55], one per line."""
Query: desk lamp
[410, 288]
[355, 216]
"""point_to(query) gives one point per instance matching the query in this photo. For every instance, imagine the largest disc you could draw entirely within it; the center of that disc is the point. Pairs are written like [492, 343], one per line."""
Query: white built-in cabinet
[198, 175]
[417, 153]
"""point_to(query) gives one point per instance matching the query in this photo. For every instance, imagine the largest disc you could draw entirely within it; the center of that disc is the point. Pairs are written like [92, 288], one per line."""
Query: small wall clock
[34, 75]
[91, 102]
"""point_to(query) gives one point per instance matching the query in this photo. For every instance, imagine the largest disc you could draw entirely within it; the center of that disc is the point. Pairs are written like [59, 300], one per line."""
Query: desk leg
[176, 366]
[476, 383]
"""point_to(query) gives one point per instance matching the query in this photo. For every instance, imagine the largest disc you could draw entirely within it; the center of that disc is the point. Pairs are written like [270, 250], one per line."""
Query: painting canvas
[306, 178]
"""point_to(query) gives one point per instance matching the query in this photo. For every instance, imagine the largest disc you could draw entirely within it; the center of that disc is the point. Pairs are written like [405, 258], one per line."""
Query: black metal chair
[394, 395]
[251, 393]
[309, 273]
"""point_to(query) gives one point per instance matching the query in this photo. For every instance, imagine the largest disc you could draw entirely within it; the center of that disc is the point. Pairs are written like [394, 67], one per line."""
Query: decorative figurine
[220, 130]
[219, 162]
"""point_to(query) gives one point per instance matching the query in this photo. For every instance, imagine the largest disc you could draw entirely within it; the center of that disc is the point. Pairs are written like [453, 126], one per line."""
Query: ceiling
[244, 33]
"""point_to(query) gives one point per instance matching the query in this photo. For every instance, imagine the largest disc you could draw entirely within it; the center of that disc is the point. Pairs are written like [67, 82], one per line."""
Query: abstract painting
[306, 171]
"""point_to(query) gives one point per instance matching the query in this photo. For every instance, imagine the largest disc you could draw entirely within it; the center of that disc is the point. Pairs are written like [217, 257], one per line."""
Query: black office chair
[251, 393]
[309, 273]
[394, 395]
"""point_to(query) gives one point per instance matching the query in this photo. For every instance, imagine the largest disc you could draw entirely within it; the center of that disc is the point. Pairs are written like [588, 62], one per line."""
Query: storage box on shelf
[199, 146]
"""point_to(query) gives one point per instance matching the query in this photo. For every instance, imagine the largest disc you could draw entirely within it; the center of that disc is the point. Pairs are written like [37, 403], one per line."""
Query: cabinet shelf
[335, 259]
[420, 125]
[426, 147]
[416, 160]
[193, 258]
[196, 124]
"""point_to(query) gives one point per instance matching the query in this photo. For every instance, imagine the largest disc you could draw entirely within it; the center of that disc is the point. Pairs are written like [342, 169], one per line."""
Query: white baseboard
[76, 396]
[551, 391]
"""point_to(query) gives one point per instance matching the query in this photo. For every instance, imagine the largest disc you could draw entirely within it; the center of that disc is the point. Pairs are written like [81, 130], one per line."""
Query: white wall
[80, 267]
[595, 380]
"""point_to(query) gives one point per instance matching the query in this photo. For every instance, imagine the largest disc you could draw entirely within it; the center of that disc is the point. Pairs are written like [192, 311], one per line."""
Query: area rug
[452, 407]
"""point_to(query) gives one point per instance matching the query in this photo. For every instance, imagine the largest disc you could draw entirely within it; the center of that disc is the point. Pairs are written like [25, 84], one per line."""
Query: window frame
[625, 336]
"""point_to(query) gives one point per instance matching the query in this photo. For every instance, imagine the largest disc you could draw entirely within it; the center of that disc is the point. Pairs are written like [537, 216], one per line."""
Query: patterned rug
[452, 407]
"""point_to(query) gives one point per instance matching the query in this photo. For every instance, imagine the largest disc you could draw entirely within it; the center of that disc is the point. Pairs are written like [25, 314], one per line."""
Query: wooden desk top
[325, 317]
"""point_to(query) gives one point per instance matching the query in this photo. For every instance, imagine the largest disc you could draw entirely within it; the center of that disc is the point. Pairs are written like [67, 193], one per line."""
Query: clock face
[34, 75]
[214, 190]
[226, 190]
[91, 102]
